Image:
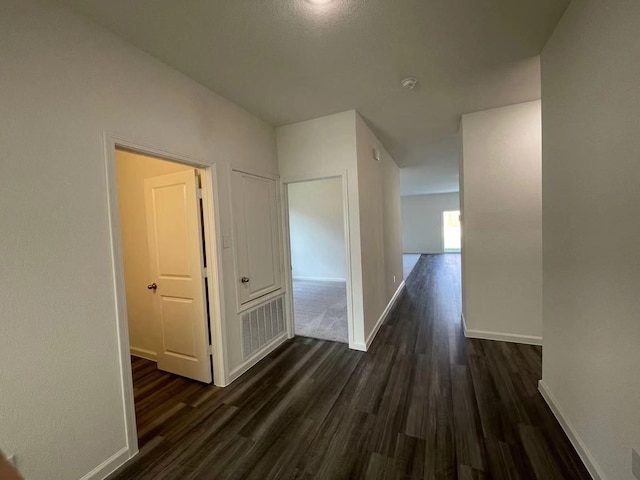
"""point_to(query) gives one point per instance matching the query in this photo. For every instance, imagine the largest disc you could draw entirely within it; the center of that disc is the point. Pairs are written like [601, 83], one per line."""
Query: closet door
[256, 234]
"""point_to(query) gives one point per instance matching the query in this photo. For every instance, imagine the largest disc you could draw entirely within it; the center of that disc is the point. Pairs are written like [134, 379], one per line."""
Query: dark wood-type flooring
[423, 403]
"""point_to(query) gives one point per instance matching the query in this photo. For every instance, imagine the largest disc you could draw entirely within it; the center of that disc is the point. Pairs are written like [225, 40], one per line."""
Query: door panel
[257, 237]
[175, 250]
[177, 328]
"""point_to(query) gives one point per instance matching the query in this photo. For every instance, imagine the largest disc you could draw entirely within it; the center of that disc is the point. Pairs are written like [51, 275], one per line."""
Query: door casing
[214, 259]
[288, 277]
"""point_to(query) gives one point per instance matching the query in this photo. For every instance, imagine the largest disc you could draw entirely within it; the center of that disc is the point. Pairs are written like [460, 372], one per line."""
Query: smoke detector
[409, 83]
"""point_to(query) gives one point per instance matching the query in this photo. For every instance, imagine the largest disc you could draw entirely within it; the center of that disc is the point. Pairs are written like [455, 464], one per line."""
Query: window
[451, 230]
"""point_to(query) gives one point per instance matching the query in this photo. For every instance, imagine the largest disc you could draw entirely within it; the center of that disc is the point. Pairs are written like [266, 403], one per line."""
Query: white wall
[343, 143]
[591, 194]
[502, 223]
[422, 221]
[131, 170]
[64, 83]
[380, 226]
[316, 227]
[326, 146]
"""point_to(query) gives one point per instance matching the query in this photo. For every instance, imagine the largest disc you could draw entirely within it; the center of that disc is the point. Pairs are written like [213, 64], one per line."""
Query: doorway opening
[318, 256]
[165, 266]
[451, 231]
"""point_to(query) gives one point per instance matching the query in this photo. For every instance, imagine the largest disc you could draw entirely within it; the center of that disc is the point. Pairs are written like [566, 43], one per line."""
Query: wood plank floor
[423, 403]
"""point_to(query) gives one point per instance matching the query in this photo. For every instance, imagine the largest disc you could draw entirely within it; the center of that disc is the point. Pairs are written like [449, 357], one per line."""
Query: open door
[178, 285]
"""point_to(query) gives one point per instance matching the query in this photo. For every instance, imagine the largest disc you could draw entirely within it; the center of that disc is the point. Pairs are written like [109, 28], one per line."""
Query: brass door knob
[153, 286]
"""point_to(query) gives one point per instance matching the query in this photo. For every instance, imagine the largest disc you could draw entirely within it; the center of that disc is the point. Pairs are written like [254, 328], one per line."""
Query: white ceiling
[293, 60]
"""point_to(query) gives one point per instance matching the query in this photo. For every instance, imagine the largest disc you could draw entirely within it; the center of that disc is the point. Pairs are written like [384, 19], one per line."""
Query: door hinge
[210, 350]
[199, 193]
[205, 274]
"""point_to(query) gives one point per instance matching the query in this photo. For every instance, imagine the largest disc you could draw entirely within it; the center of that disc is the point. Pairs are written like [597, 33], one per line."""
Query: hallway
[423, 403]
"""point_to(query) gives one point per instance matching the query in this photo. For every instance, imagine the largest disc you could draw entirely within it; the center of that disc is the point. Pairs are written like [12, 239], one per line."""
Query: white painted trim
[144, 353]
[319, 279]
[256, 302]
[343, 175]
[256, 357]
[213, 240]
[211, 231]
[122, 324]
[286, 265]
[110, 465]
[237, 167]
[364, 347]
[499, 336]
[422, 253]
[577, 442]
[310, 177]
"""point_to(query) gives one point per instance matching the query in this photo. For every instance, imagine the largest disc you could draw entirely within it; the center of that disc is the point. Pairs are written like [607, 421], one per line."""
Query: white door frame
[288, 276]
[211, 228]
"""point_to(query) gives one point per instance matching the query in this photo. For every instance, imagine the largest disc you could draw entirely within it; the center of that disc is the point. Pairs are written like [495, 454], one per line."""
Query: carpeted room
[318, 259]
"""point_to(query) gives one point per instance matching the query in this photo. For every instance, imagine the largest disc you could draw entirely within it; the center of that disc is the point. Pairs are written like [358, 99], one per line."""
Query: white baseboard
[499, 336]
[365, 346]
[320, 279]
[574, 438]
[110, 465]
[143, 353]
[256, 357]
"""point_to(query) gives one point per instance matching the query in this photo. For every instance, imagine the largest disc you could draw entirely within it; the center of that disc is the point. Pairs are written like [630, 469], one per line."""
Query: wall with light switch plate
[66, 83]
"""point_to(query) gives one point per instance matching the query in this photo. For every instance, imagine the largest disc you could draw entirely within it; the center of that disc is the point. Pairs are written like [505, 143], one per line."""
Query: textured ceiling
[293, 60]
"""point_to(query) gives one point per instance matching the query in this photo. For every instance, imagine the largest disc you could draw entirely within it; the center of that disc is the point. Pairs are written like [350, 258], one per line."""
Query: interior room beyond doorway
[318, 259]
[164, 260]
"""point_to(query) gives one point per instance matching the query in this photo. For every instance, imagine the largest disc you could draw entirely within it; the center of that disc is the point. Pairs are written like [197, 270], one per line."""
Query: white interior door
[176, 257]
[257, 237]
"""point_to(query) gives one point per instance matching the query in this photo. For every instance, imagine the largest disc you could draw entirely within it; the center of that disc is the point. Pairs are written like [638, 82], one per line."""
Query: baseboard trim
[320, 279]
[574, 438]
[110, 465]
[256, 357]
[364, 347]
[500, 336]
[143, 353]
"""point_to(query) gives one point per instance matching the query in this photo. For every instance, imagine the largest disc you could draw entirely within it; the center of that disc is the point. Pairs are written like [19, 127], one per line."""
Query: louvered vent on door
[261, 325]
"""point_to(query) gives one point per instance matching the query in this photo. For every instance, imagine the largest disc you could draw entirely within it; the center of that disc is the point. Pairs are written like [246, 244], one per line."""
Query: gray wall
[380, 225]
[316, 227]
[64, 83]
[422, 221]
[591, 194]
[502, 223]
[343, 143]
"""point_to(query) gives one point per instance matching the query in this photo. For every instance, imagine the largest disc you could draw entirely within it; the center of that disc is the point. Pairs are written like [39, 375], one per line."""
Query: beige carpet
[320, 310]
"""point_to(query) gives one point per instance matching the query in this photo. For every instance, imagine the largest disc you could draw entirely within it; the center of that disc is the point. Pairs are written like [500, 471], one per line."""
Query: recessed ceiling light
[409, 83]
[324, 9]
